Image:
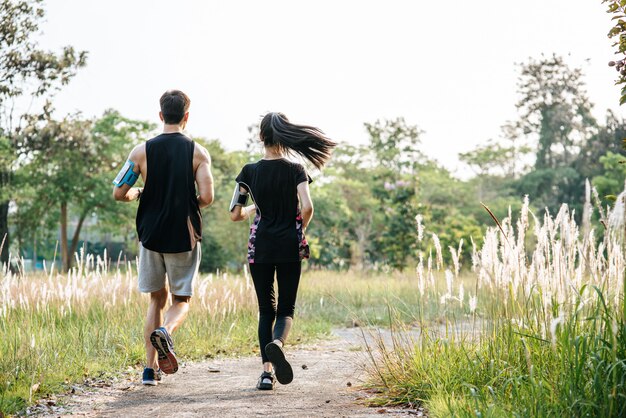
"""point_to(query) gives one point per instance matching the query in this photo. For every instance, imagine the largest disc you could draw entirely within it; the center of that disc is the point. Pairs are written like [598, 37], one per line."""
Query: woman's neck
[272, 153]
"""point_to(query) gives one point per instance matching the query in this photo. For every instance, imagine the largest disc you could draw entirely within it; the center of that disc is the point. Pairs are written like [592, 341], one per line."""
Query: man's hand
[127, 193]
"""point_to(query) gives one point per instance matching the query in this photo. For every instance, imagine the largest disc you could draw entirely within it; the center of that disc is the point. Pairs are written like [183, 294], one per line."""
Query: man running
[169, 225]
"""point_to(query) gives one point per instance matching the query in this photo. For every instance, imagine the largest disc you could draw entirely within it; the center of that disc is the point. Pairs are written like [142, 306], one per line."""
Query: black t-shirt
[276, 232]
[169, 218]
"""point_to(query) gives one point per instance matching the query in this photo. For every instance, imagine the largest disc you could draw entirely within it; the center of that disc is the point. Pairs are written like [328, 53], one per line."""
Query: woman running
[282, 210]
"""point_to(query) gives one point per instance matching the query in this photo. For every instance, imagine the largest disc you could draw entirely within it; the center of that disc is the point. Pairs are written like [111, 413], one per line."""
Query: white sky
[446, 66]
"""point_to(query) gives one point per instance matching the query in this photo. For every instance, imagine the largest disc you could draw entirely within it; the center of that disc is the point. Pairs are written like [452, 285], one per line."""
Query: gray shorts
[181, 270]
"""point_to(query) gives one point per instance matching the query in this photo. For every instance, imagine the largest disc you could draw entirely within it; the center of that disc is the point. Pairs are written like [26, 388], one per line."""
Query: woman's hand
[248, 211]
[241, 213]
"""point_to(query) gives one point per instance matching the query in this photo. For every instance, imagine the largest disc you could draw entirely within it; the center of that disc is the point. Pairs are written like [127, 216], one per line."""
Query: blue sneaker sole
[282, 368]
[166, 357]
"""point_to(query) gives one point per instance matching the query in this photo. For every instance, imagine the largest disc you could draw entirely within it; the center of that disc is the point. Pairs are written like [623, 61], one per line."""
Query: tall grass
[543, 332]
[60, 328]
[57, 329]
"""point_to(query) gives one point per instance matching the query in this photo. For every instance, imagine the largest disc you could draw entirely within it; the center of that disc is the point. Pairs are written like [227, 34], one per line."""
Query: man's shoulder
[139, 151]
[200, 152]
[163, 137]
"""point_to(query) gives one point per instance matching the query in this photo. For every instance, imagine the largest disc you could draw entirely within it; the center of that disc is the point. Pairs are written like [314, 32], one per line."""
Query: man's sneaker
[164, 346]
[282, 368]
[150, 377]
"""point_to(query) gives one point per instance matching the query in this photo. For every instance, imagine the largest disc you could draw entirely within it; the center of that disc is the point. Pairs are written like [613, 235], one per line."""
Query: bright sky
[448, 67]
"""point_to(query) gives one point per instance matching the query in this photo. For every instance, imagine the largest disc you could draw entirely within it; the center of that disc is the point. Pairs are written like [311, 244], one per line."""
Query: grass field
[547, 335]
[537, 313]
[59, 329]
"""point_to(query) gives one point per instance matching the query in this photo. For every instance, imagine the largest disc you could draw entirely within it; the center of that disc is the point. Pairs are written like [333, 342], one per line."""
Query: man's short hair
[174, 105]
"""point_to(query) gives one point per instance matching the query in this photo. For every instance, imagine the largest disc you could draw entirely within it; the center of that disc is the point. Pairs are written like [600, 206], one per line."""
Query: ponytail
[307, 141]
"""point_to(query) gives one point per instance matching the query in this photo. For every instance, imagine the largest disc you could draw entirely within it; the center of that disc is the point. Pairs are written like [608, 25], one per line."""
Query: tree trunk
[35, 252]
[74, 245]
[65, 259]
[363, 234]
[4, 232]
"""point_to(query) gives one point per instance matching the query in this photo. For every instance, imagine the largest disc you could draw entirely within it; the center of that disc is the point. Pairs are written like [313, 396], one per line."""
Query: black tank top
[169, 218]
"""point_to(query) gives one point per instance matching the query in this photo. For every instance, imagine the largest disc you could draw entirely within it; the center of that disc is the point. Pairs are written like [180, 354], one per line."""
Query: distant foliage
[67, 175]
[27, 74]
[617, 8]
[553, 145]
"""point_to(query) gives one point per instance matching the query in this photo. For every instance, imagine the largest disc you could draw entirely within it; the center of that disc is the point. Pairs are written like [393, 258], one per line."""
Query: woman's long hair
[307, 141]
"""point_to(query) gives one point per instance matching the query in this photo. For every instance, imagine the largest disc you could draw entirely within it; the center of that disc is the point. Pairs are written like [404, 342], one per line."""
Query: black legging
[288, 278]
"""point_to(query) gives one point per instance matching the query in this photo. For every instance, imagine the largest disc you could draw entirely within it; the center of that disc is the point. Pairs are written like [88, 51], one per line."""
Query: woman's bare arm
[306, 204]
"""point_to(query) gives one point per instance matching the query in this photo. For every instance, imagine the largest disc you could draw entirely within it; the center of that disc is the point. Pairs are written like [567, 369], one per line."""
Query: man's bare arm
[125, 192]
[204, 178]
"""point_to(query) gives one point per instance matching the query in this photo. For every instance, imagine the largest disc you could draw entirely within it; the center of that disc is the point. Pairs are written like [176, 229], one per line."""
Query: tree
[613, 178]
[609, 138]
[396, 156]
[347, 213]
[395, 145]
[223, 242]
[71, 165]
[26, 72]
[555, 113]
[554, 109]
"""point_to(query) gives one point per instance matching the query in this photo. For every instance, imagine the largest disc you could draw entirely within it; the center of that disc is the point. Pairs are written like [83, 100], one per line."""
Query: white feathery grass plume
[431, 276]
[247, 276]
[449, 281]
[596, 197]
[420, 227]
[553, 328]
[616, 215]
[473, 303]
[587, 209]
[438, 252]
[444, 298]
[455, 260]
[475, 255]
[419, 271]
[522, 226]
[461, 294]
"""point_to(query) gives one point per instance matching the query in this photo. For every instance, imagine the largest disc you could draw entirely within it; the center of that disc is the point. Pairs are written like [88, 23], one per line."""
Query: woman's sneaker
[164, 346]
[282, 368]
[266, 381]
[151, 377]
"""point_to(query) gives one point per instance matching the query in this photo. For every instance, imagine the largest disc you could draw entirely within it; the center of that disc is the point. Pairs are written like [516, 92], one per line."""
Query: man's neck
[170, 129]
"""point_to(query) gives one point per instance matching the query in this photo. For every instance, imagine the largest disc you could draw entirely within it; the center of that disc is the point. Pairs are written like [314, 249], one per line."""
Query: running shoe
[282, 368]
[164, 346]
[151, 377]
[266, 381]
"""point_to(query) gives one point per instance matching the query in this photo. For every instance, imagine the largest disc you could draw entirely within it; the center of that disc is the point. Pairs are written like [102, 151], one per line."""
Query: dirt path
[326, 383]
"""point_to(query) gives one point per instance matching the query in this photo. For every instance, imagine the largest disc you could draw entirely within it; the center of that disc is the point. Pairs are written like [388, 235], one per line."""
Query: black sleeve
[301, 175]
[242, 177]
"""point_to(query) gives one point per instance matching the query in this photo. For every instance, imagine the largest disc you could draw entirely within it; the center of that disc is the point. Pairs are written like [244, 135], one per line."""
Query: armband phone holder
[239, 199]
[126, 175]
